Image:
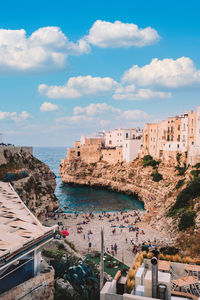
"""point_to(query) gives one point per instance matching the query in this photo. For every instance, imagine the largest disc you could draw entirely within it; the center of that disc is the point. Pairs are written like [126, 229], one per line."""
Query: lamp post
[101, 261]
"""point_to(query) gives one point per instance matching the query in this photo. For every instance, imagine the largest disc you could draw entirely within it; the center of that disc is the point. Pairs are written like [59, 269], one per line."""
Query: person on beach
[89, 246]
[115, 248]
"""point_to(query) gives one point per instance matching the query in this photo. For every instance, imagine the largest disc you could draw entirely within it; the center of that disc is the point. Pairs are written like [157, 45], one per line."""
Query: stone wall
[39, 287]
[88, 154]
[112, 156]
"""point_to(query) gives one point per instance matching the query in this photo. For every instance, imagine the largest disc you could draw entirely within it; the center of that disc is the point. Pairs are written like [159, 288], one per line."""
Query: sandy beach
[118, 228]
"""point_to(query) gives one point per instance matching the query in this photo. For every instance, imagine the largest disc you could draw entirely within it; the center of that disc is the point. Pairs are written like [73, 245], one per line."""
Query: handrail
[186, 295]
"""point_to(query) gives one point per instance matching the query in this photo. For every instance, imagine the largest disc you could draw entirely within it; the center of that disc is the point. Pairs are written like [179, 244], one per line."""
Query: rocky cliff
[33, 180]
[134, 178]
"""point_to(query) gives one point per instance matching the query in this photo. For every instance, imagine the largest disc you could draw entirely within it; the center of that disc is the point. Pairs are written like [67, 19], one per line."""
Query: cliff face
[132, 178]
[33, 181]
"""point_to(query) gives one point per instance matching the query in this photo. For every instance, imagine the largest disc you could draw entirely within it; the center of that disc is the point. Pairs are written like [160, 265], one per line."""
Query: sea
[78, 199]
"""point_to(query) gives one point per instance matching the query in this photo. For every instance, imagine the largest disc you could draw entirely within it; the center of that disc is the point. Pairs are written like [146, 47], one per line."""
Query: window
[169, 145]
[126, 135]
[177, 145]
[168, 130]
[179, 127]
[192, 143]
[110, 142]
[172, 129]
[172, 138]
[78, 153]
[179, 138]
[184, 126]
[168, 138]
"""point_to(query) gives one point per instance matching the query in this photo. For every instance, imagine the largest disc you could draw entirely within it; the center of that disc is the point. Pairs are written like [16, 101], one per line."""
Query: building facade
[110, 146]
[179, 134]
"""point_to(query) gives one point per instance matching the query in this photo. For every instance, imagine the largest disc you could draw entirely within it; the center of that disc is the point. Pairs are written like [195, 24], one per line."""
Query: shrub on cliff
[156, 176]
[180, 183]
[187, 220]
[190, 192]
[148, 160]
[181, 170]
[195, 173]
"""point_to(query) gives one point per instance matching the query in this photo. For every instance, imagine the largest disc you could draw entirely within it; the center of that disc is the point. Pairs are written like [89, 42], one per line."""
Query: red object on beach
[65, 232]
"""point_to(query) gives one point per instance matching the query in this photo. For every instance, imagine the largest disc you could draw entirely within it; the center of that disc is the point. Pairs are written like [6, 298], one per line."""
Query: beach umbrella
[65, 232]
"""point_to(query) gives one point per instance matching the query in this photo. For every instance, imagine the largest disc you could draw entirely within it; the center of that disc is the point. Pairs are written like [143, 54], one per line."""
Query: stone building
[179, 134]
[110, 146]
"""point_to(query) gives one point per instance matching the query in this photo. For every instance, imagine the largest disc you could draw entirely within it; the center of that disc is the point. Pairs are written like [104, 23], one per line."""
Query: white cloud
[106, 34]
[24, 115]
[103, 112]
[167, 72]
[46, 49]
[96, 109]
[129, 92]
[47, 106]
[79, 86]
[135, 115]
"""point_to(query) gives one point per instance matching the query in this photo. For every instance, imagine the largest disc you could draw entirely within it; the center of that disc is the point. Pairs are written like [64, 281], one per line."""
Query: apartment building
[179, 134]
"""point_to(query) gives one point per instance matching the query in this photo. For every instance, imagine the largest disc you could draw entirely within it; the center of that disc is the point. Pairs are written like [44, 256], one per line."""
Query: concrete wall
[39, 287]
[13, 150]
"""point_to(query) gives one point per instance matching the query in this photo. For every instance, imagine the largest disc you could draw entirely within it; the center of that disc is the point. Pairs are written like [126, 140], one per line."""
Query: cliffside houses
[110, 146]
[162, 140]
[179, 134]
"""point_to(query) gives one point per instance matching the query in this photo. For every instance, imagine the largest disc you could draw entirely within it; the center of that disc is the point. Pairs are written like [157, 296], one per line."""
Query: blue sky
[72, 68]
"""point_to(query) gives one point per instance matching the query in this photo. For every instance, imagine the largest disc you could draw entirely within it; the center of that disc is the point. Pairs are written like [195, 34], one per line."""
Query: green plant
[187, 220]
[71, 245]
[148, 160]
[56, 254]
[178, 158]
[195, 173]
[181, 170]
[61, 247]
[180, 183]
[156, 176]
[183, 199]
[169, 250]
[94, 164]
[197, 166]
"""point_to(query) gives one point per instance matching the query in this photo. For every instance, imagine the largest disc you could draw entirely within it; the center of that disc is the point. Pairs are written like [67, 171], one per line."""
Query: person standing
[115, 248]
[89, 247]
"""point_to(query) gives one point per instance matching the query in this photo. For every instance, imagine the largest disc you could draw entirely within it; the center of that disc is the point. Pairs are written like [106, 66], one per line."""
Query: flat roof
[18, 226]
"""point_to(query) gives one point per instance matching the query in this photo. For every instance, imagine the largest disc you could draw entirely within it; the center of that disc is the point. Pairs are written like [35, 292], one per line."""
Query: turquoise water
[83, 198]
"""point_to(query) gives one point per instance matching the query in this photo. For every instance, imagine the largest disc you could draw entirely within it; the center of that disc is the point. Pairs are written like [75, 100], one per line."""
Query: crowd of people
[120, 223]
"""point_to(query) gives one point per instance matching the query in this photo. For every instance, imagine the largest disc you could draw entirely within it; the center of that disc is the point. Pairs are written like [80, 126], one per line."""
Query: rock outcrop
[32, 179]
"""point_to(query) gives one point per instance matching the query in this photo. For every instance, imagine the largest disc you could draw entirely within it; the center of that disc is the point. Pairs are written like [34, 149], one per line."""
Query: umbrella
[65, 232]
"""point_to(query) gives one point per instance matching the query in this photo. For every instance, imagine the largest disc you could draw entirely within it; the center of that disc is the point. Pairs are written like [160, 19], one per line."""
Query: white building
[131, 147]
[130, 139]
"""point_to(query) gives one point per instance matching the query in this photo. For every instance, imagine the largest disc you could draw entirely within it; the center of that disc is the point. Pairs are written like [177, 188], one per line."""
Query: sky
[72, 68]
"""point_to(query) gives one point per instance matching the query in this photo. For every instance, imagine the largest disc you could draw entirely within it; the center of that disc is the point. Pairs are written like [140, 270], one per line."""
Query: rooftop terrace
[19, 227]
